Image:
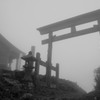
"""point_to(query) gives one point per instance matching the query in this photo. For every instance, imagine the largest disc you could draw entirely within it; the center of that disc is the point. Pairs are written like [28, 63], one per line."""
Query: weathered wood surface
[71, 35]
[81, 19]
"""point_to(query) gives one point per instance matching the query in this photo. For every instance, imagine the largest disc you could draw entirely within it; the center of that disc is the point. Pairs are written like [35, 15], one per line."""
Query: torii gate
[69, 23]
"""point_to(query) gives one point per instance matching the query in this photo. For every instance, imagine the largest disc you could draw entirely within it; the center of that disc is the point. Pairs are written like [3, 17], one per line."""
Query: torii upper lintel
[81, 19]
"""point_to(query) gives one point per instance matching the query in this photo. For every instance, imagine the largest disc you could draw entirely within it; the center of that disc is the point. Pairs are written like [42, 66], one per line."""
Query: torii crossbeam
[69, 23]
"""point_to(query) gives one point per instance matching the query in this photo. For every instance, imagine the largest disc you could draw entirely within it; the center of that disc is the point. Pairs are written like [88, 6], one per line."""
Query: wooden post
[73, 29]
[49, 58]
[33, 50]
[99, 22]
[10, 62]
[57, 74]
[57, 71]
[19, 61]
[37, 68]
[17, 67]
[37, 63]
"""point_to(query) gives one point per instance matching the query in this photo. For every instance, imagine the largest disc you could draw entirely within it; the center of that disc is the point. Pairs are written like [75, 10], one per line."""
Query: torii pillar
[49, 56]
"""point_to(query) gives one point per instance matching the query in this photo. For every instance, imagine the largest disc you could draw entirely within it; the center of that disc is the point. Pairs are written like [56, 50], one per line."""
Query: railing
[45, 64]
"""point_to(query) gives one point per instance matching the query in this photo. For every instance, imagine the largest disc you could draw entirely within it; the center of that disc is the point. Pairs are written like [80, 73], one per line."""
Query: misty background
[78, 57]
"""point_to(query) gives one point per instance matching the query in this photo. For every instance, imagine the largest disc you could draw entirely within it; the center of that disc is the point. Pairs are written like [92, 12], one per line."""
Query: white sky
[78, 57]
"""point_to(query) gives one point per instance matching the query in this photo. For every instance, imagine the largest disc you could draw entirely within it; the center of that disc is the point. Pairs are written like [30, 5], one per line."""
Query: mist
[78, 57]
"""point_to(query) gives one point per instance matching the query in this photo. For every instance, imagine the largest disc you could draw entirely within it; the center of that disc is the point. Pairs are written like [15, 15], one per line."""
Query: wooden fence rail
[45, 64]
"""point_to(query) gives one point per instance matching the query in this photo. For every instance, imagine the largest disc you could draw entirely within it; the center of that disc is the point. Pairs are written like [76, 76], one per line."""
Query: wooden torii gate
[69, 23]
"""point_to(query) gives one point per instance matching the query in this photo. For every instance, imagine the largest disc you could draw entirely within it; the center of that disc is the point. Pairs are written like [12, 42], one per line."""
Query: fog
[78, 57]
